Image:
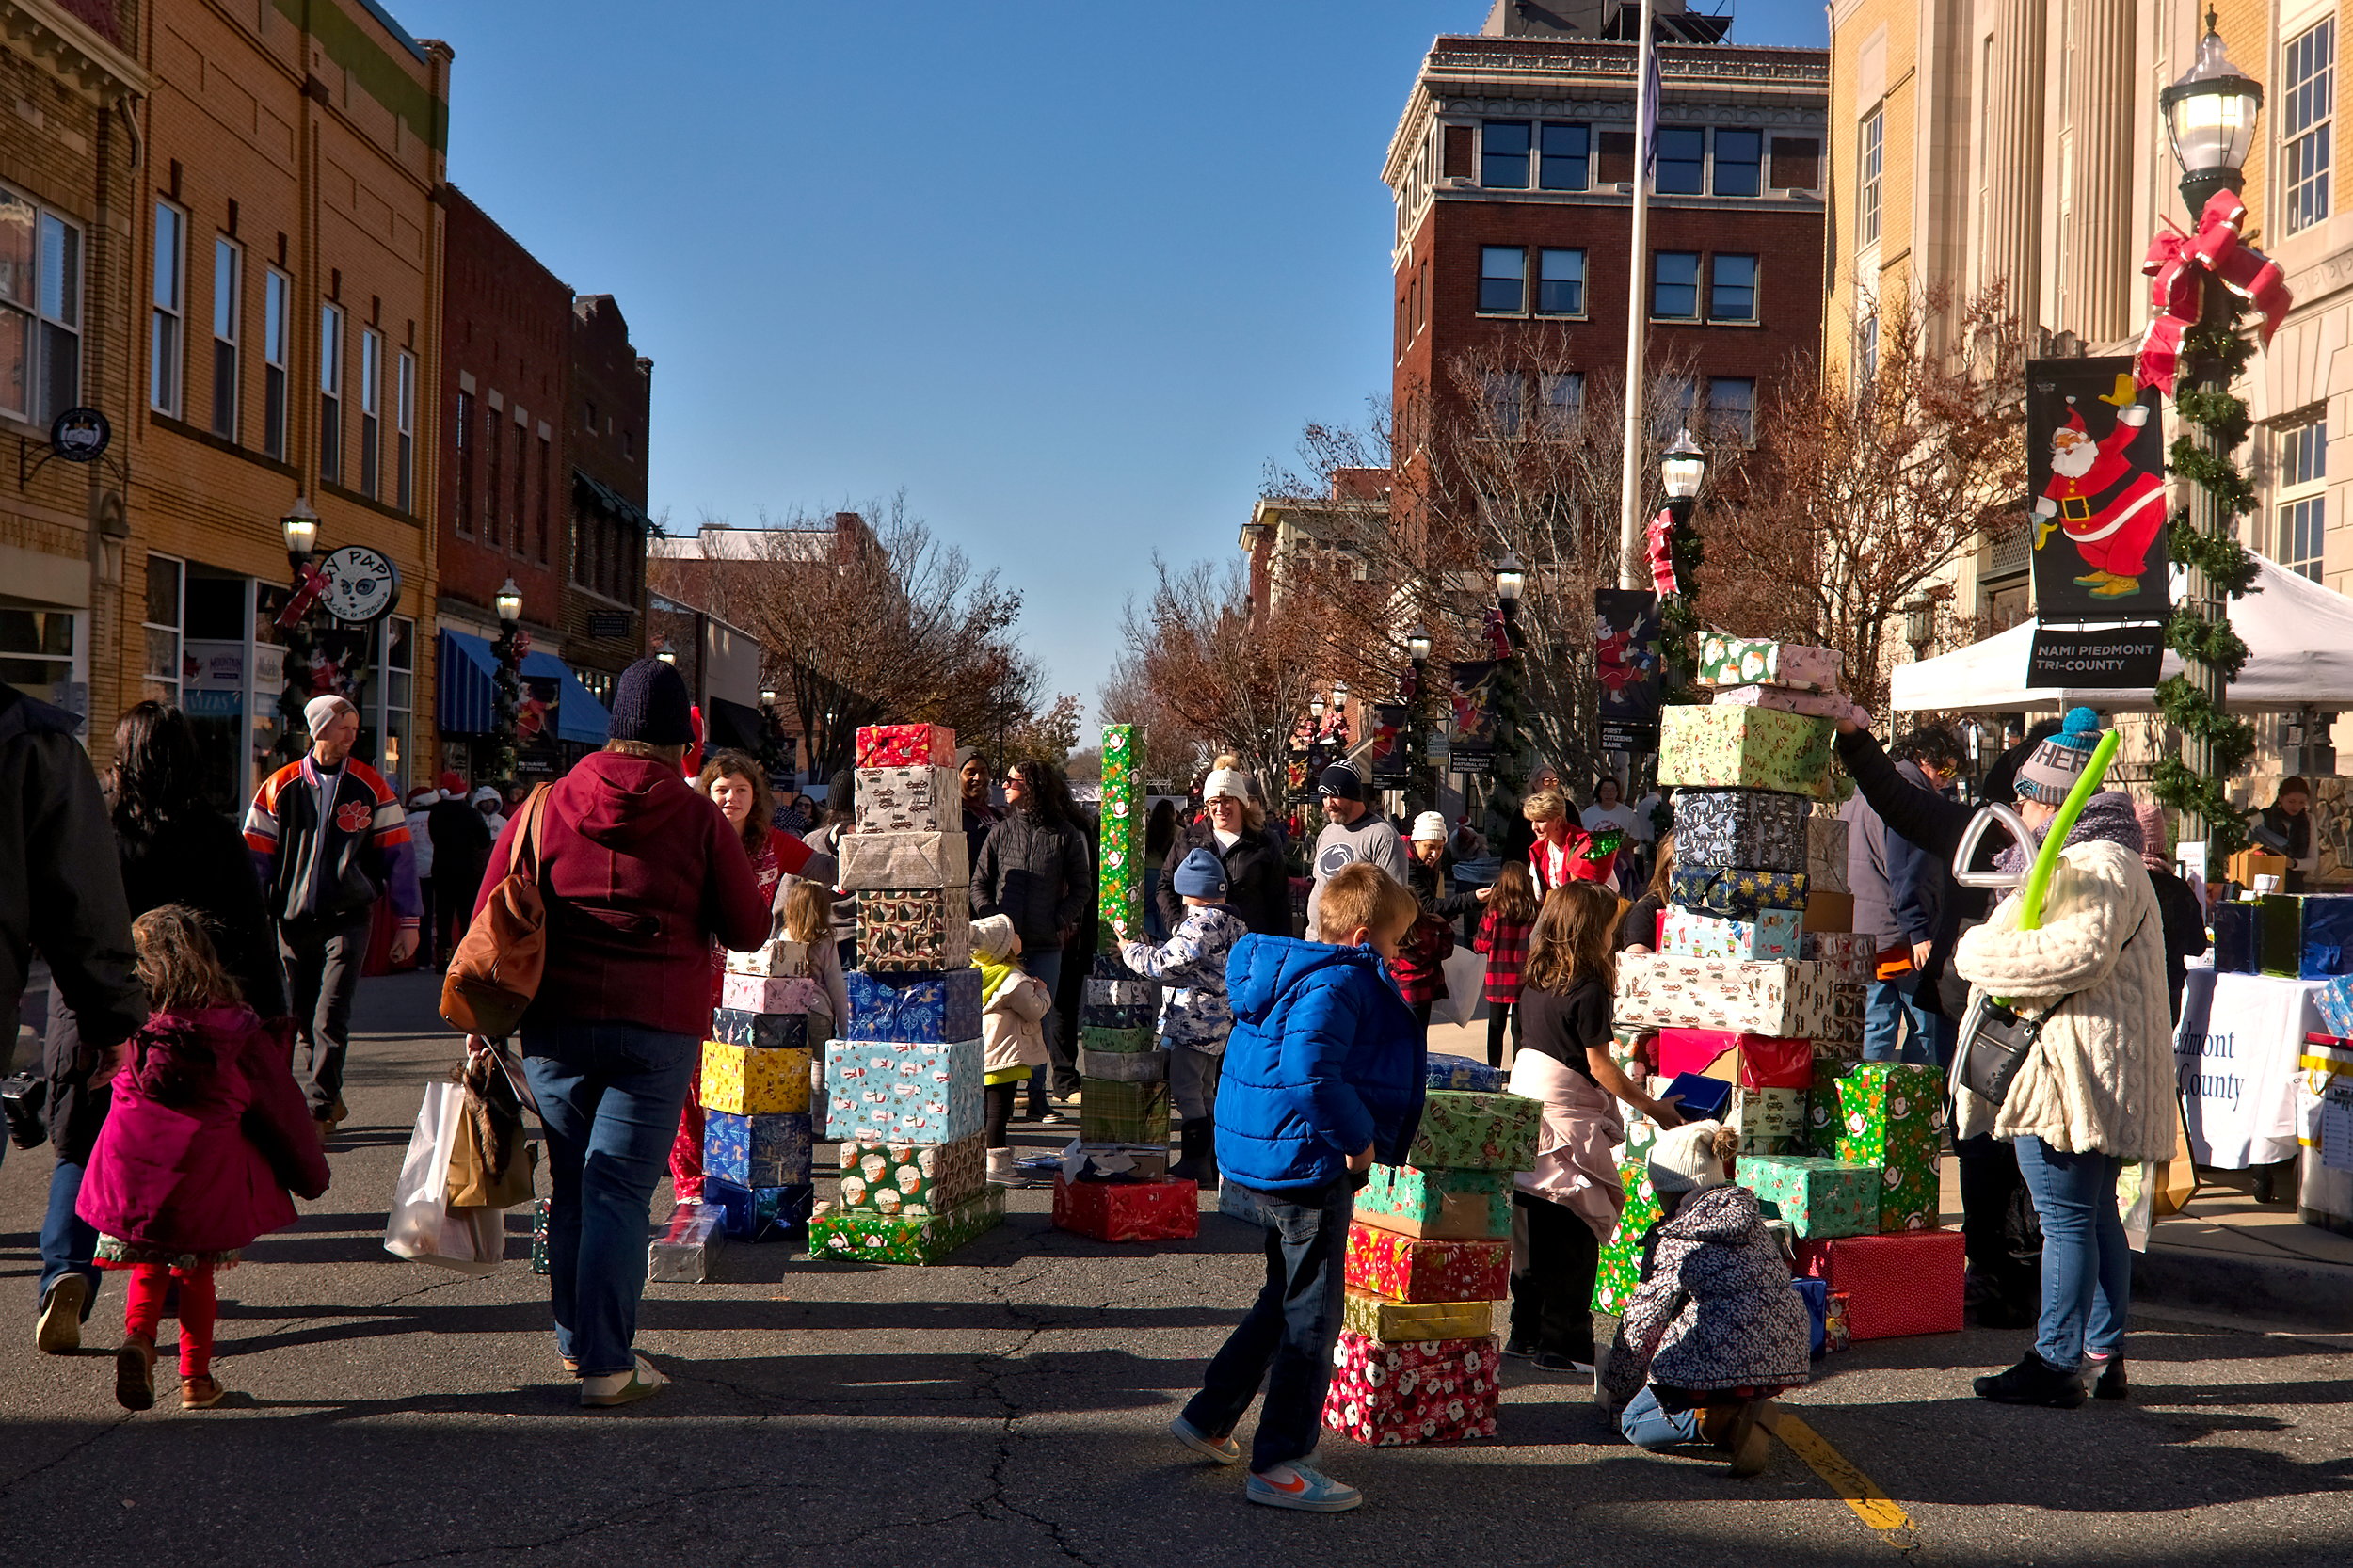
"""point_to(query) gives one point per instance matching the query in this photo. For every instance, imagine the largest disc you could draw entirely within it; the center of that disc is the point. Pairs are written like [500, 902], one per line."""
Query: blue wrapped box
[918, 1009]
[1461, 1072]
[760, 1213]
[2328, 936]
[902, 1091]
[2234, 937]
[2335, 1002]
[734, 1025]
[771, 1149]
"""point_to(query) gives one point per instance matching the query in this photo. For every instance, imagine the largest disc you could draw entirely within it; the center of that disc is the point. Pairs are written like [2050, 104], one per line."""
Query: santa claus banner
[1626, 669]
[2096, 452]
[1392, 757]
[1471, 699]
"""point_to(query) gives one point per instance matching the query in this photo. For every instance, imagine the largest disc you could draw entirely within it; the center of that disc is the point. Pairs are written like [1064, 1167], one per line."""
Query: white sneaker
[607, 1389]
[1002, 1170]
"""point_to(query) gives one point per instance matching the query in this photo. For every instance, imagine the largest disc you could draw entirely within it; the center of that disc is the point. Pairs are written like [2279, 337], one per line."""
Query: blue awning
[465, 699]
[579, 716]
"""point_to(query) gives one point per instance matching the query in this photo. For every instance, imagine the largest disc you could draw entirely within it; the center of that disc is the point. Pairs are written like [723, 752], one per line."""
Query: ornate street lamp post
[509, 604]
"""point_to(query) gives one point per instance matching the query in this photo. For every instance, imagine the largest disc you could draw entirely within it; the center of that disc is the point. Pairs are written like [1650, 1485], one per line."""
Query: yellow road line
[1858, 1491]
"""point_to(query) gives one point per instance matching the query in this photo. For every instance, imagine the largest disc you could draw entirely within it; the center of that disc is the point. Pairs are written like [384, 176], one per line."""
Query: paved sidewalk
[1007, 1409]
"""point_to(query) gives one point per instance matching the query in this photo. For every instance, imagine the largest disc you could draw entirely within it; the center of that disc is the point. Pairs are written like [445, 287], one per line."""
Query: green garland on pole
[2222, 416]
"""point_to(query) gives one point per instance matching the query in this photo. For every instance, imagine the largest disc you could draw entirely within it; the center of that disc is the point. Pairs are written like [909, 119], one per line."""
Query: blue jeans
[67, 1242]
[1646, 1426]
[1890, 1005]
[1286, 1339]
[610, 1096]
[2087, 1261]
[1044, 967]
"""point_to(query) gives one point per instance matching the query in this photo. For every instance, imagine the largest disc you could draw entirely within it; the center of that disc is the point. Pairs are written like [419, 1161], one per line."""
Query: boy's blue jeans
[1285, 1339]
[1646, 1426]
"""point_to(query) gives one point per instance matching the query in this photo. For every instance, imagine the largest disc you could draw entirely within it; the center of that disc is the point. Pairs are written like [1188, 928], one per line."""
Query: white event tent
[2299, 634]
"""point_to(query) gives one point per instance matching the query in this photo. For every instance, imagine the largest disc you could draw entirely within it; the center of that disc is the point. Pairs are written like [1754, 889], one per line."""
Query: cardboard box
[1729, 661]
[1118, 1020]
[2328, 947]
[734, 1026]
[1125, 1161]
[1407, 1269]
[2249, 864]
[1892, 1117]
[1825, 705]
[911, 1178]
[1829, 912]
[1736, 893]
[1461, 1072]
[2335, 1002]
[766, 1150]
[782, 958]
[1904, 1284]
[907, 746]
[863, 1235]
[1769, 1121]
[922, 799]
[1119, 857]
[917, 1009]
[1825, 851]
[760, 1213]
[888, 862]
[1763, 829]
[926, 931]
[752, 993]
[1854, 953]
[1463, 1131]
[1767, 933]
[687, 1246]
[747, 1080]
[1750, 1061]
[1120, 992]
[1124, 1066]
[1389, 1322]
[1744, 748]
[539, 1236]
[1116, 1113]
[893, 1091]
[1095, 1038]
[1466, 1205]
[1433, 1391]
[1168, 1209]
[2234, 937]
[1824, 1122]
[1782, 998]
[1818, 1199]
[1620, 1271]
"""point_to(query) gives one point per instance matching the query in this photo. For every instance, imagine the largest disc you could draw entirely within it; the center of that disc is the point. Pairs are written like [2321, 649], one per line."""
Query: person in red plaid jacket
[1503, 930]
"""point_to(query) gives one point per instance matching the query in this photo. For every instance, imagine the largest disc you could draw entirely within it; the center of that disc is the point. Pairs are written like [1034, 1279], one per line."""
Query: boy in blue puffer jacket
[1324, 1076]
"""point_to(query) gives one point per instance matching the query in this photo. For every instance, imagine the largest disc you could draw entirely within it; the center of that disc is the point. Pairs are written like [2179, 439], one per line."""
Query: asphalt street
[1008, 1408]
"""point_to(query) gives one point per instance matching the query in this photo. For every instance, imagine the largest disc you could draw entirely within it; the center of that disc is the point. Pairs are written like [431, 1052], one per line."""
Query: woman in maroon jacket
[640, 875]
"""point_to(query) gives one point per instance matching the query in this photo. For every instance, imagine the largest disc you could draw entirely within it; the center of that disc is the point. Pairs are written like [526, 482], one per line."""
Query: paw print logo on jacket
[353, 816]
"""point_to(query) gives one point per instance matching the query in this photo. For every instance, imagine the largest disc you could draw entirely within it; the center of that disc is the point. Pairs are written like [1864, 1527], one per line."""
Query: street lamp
[508, 601]
[1511, 577]
[1315, 708]
[1416, 761]
[511, 604]
[1920, 626]
[1418, 646]
[2209, 119]
[300, 526]
[1681, 468]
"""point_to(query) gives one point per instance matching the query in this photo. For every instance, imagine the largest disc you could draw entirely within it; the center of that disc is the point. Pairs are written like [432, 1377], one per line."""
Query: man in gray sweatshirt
[1352, 831]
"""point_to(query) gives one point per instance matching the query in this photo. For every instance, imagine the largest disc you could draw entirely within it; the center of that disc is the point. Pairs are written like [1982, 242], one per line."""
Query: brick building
[1512, 170]
[611, 411]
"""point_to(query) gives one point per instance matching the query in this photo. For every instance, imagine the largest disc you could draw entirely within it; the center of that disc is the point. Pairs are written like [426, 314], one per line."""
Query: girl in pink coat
[208, 1130]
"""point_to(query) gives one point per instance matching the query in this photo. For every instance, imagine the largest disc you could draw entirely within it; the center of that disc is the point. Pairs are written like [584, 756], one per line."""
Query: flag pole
[1631, 573]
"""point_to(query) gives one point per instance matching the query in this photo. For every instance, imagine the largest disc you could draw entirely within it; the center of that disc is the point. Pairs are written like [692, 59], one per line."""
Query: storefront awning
[579, 716]
[604, 497]
[466, 693]
[731, 724]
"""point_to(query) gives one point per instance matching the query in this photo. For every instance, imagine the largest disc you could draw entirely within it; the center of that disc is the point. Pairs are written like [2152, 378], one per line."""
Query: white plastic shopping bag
[423, 1229]
[1467, 988]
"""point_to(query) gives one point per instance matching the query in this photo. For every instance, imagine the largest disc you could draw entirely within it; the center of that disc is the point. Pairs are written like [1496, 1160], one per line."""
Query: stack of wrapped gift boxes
[2287, 935]
[1428, 1255]
[1117, 1187]
[757, 1072]
[903, 1085]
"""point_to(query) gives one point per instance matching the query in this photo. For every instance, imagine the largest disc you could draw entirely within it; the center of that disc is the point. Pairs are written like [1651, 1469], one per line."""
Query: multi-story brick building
[288, 245]
[1512, 170]
[611, 411]
[68, 318]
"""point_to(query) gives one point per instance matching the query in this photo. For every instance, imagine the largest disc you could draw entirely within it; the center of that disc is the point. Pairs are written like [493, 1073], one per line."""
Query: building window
[1732, 409]
[400, 697]
[2305, 119]
[2303, 508]
[588, 418]
[463, 429]
[40, 311]
[1868, 154]
[1564, 398]
[491, 448]
[1502, 279]
[1732, 288]
[165, 606]
[370, 414]
[405, 411]
[228, 313]
[277, 323]
[1503, 154]
[331, 394]
[1740, 163]
[1505, 396]
[522, 475]
[168, 337]
[540, 522]
[1675, 290]
[1682, 161]
[37, 653]
[1566, 149]
[1866, 350]
[1561, 282]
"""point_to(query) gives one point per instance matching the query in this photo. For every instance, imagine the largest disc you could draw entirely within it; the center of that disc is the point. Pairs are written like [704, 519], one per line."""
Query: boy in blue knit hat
[1195, 1018]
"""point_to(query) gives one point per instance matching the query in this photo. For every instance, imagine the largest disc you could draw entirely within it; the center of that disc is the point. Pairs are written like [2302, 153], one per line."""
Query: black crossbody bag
[1996, 1039]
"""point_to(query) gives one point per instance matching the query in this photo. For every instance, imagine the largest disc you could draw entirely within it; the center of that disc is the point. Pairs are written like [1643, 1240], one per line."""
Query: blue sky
[1069, 275]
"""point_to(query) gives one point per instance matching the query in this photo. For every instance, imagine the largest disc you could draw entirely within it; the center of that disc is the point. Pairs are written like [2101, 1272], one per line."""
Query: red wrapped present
[1903, 1282]
[1752, 1061]
[1165, 1211]
[1428, 1391]
[907, 746]
[1409, 1269]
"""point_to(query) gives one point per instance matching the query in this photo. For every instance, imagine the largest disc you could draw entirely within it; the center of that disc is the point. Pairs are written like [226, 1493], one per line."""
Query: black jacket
[2184, 930]
[1432, 884]
[200, 860]
[462, 848]
[1038, 875]
[1258, 884]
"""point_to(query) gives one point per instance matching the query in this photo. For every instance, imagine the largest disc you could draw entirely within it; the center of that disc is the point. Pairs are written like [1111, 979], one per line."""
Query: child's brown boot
[134, 1373]
[201, 1393]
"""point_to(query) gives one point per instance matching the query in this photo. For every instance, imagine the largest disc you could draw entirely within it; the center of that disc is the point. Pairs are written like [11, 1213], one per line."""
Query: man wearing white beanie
[328, 838]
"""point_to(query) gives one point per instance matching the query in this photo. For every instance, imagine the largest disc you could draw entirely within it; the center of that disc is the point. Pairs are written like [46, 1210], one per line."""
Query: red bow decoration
[2178, 264]
[1662, 567]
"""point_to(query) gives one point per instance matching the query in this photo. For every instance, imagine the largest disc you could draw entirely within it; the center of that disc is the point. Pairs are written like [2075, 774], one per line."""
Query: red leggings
[143, 1310]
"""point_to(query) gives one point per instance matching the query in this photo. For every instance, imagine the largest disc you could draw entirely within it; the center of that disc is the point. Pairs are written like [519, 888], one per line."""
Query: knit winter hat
[2059, 762]
[320, 712]
[1340, 783]
[1430, 827]
[992, 939]
[651, 704]
[1684, 1159]
[1226, 781]
[1199, 874]
[2152, 819]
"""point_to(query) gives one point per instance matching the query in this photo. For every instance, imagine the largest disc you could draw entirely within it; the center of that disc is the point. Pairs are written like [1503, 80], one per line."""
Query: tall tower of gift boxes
[1428, 1255]
[1757, 988]
[1119, 1189]
[902, 1084]
[758, 1129]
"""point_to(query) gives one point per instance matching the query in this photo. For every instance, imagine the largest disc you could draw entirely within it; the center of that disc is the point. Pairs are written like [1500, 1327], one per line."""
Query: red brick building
[612, 407]
[1512, 170]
